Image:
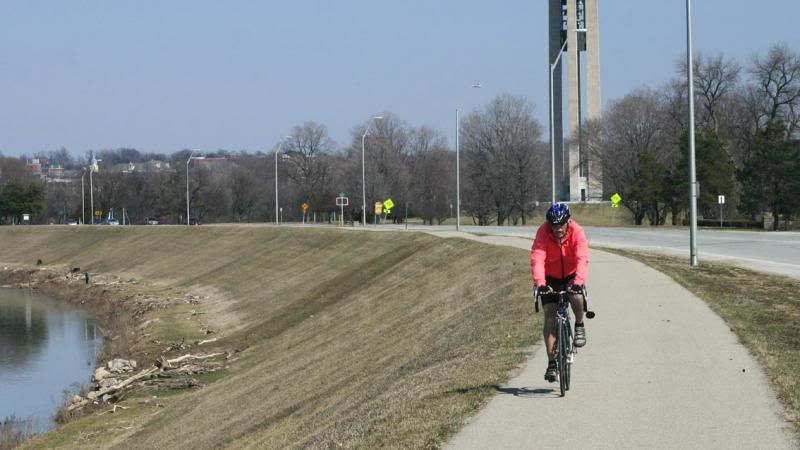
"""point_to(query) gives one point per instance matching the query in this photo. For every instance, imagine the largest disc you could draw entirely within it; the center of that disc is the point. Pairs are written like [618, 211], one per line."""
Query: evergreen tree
[769, 178]
[17, 199]
[714, 169]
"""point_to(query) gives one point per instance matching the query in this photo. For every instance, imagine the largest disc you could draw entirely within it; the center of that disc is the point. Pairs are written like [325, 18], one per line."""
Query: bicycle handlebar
[537, 294]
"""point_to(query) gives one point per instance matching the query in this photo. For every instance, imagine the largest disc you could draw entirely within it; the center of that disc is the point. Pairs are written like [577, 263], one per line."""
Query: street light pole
[552, 119]
[277, 216]
[91, 194]
[363, 177]
[458, 168]
[187, 185]
[458, 180]
[83, 200]
[692, 172]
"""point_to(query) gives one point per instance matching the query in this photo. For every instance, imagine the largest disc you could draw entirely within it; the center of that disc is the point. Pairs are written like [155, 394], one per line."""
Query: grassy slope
[355, 339]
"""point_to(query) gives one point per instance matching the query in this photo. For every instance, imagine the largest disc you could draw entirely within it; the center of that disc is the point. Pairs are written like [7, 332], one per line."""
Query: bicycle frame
[565, 348]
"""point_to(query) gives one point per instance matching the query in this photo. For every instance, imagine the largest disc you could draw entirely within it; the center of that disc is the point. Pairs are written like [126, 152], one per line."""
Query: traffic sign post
[615, 199]
[341, 202]
[305, 210]
[721, 201]
[378, 211]
[388, 204]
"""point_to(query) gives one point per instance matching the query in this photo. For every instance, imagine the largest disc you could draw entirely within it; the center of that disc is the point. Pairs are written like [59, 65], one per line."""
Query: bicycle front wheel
[561, 359]
[567, 340]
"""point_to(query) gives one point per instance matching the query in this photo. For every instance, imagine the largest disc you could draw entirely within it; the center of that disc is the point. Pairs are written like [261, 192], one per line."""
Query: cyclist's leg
[549, 332]
[576, 300]
[549, 329]
[577, 307]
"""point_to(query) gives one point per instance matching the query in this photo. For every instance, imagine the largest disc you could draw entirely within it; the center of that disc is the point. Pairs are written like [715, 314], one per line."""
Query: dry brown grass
[359, 340]
[14, 432]
[762, 309]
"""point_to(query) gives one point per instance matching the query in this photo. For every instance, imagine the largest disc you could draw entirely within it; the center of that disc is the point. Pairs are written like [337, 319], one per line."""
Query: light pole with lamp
[458, 169]
[277, 216]
[92, 168]
[692, 173]
[191, 157]
[363, 177]
[83, 199]
[552, 120]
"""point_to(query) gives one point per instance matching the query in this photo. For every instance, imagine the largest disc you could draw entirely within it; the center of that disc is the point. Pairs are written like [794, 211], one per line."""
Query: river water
[46, 348]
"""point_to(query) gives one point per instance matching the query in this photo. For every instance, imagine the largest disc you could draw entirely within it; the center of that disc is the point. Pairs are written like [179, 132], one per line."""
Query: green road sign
[388, 204]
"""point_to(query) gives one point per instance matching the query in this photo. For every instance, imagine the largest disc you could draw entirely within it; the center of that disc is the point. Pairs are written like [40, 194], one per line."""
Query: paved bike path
[660, 370]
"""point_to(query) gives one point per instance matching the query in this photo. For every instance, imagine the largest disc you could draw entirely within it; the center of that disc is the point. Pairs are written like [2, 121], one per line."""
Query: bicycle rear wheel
[561, 359]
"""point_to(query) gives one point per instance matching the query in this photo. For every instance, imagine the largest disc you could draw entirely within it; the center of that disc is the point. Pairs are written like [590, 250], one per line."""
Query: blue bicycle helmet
[558, 213]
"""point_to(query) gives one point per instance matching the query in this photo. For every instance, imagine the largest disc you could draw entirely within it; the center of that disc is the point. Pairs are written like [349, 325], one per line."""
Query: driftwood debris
[162, 369]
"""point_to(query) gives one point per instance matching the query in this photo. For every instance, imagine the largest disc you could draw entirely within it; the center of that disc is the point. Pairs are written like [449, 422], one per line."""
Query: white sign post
[721, 201]
[341, 202]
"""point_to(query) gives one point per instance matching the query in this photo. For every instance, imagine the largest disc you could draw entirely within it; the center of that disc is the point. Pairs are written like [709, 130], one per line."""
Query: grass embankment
[762, 309]
[353, 339]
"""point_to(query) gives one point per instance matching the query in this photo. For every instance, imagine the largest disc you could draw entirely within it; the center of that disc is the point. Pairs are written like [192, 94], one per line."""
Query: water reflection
[46, 348]
[23, 331]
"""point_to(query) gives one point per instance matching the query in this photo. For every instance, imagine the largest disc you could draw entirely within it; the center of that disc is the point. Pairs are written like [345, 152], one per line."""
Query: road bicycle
[565, 347]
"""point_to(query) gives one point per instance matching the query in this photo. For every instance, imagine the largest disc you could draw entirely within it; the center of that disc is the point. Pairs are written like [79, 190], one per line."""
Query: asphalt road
[660, 370]
[774, 252]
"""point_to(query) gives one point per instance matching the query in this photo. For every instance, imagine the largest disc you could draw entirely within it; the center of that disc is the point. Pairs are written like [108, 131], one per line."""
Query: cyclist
[560, 261]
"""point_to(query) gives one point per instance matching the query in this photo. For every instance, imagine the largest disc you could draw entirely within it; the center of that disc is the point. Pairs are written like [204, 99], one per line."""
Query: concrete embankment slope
[660, 370]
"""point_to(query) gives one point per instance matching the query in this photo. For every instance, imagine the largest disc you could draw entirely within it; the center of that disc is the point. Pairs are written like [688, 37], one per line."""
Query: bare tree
[636, 151]
[504, 162]
[432, 175]
[309, 150]
[715, 78]
[776, 77]
[386, 163]
[241, 182]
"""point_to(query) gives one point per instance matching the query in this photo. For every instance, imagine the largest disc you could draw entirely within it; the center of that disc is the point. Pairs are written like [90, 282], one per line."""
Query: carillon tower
[575, 23]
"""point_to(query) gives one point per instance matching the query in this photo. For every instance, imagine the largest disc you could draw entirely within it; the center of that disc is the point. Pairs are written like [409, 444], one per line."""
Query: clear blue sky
[166, 75]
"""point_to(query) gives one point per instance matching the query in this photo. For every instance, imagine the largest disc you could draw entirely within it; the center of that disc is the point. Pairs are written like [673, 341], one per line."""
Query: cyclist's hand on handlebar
[575, 288]
[544, 289]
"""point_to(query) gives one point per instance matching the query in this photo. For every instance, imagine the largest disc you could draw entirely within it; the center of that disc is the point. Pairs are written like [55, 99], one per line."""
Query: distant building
[35, 166]
[55, 172]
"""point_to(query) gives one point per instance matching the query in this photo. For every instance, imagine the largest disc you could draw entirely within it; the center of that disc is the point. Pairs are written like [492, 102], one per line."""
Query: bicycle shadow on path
[527, 392]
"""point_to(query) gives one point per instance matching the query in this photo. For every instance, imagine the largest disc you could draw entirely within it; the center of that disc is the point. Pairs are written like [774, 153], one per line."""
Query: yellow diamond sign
[388, 204]
[616, 198]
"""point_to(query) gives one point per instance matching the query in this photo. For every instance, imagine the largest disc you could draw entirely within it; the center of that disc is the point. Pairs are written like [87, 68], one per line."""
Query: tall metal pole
[692, 173]
[458, 179]
[363, 178]
[187, 187]
[83, 201]
[552, 143]
[91, 194]
[277, 217]
[552, 126]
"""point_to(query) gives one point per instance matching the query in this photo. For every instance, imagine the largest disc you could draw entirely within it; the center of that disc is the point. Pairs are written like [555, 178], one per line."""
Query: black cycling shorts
[557, 284]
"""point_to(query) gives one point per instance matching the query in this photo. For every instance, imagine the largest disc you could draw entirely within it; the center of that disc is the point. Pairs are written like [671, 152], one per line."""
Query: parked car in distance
[112, 222]
[151, 221]
[72, 222]
[194, 221]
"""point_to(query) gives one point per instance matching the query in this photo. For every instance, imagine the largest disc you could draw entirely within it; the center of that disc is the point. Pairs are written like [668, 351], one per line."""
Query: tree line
[746, 124]
[411, 165]
[747, 118]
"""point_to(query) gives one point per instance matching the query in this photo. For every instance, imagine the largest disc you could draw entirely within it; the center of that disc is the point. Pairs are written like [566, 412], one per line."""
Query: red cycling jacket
[547, 255]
